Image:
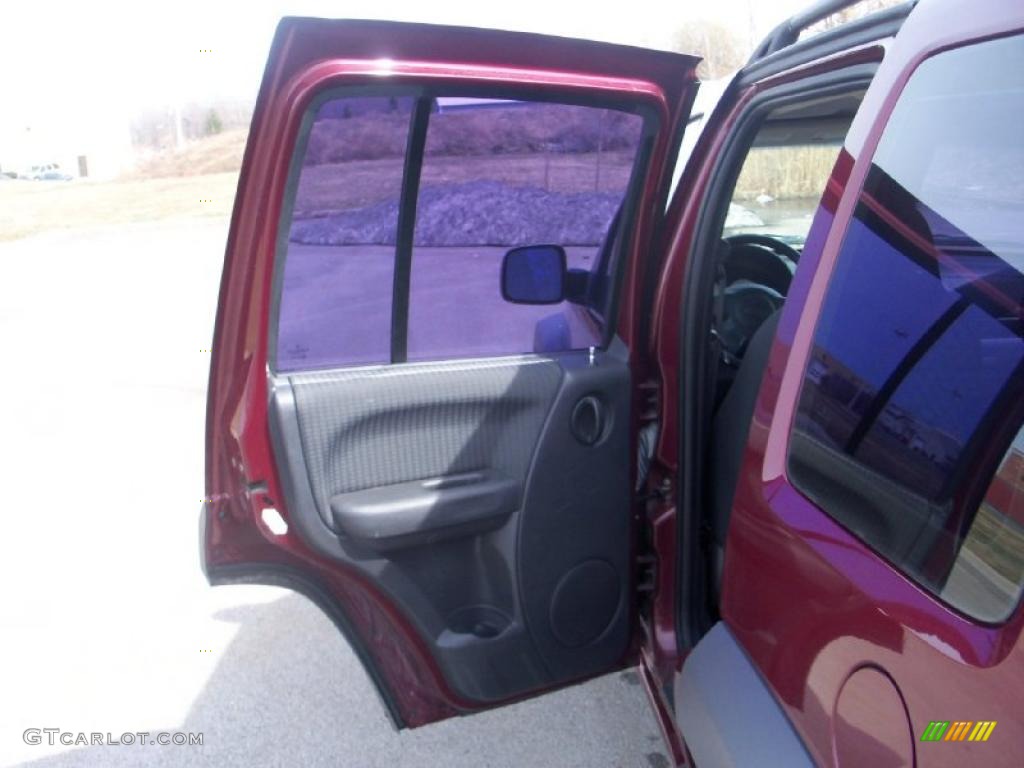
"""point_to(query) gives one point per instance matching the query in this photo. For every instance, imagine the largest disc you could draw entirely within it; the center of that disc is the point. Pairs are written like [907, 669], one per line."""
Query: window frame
[413, 161]
[744, 114]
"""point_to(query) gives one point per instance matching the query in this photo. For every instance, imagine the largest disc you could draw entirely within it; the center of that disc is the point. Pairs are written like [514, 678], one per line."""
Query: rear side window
[468, 179]
[908, 430]
[335, 301]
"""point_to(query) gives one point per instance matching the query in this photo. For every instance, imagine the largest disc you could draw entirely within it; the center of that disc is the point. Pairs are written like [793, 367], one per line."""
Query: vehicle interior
[774, 189]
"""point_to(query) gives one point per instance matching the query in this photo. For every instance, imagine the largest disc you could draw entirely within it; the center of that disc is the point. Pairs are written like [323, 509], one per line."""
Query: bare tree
[720, 48]
[724, 49]
[173, 127]
[852, 13]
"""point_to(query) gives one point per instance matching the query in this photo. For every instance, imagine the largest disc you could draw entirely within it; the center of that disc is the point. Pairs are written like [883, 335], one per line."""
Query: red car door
[447, 469]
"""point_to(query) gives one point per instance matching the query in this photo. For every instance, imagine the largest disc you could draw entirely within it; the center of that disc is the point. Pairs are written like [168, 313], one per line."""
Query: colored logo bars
[959, 730]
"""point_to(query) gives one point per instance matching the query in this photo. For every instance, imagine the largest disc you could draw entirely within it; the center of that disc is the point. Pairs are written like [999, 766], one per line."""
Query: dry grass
[28, 208]
[785, 172]
[346, 186]
[199, 180]
[214, 154]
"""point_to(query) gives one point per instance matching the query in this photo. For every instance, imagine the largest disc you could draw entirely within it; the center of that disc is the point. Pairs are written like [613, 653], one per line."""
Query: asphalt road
[455, 306]
[106, 624]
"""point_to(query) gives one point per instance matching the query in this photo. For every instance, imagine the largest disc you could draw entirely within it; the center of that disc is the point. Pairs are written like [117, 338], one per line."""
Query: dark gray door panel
[476, 494]
[574, 534]
[367, 428]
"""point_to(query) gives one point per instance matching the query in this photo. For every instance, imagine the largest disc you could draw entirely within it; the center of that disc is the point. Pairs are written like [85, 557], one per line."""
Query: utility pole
[179, 134]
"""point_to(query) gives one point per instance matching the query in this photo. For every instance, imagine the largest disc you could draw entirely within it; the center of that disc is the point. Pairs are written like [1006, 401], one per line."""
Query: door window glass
[339, 260]
[502, 174]
[912, 400]
[488, 175]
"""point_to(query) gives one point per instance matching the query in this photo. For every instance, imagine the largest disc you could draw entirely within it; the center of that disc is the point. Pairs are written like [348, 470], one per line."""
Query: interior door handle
[424, 511]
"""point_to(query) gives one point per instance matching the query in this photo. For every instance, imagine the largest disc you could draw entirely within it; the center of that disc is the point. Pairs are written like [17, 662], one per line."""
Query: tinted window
[493, 175]
[335, 305]
[911, 403]
[501, 174]
[989, 569]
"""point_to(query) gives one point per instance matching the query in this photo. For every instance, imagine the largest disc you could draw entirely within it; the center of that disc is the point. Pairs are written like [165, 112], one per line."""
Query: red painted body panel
[809, 601]
[663, 713]
[308, 56]
[870, 723]
[661, 639]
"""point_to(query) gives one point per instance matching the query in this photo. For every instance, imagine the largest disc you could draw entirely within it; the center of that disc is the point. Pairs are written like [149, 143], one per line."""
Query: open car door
[440, 454]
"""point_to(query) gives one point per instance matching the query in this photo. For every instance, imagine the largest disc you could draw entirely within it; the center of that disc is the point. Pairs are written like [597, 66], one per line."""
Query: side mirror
[534, 274]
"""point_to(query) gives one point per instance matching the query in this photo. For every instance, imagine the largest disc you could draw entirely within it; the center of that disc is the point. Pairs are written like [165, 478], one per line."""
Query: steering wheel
[760, 259]
[773, 244]
[756, 279]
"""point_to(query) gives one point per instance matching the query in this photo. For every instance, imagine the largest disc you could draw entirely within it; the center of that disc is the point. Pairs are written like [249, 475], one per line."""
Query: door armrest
[423, 511]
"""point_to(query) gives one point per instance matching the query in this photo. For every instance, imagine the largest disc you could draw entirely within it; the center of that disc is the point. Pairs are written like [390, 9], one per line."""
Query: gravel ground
[470, 214]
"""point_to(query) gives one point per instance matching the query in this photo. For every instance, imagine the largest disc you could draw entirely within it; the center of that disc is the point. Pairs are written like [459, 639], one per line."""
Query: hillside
[213, 154]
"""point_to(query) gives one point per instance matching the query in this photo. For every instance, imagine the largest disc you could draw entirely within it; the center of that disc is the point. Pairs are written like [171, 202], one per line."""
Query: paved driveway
[336, 305]
[106, 624]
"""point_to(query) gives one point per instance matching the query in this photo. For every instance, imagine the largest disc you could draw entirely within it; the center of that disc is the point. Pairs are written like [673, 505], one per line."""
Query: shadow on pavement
[288, 691]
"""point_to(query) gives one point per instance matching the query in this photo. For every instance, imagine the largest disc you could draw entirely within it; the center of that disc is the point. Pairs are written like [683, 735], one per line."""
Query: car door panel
[377, 427]
[468, 524]
[442, 481]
